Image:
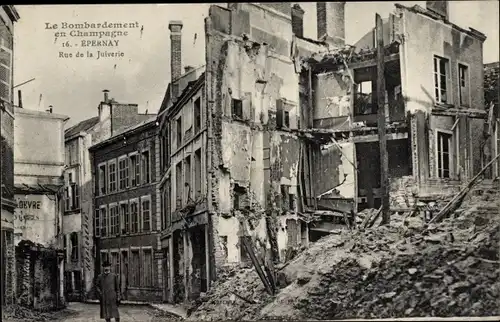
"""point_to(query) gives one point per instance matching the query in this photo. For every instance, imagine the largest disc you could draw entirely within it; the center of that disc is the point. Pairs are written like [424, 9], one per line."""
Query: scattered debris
[406, 268]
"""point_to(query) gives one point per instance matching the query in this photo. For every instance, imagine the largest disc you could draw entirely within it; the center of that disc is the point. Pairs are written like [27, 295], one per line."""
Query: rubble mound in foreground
[400, 270]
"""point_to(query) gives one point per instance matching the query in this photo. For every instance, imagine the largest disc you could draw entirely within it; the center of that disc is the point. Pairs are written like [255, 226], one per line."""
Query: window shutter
[279, 113]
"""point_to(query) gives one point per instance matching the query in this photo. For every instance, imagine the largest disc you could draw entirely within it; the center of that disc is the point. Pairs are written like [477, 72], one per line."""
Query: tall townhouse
[127, 219]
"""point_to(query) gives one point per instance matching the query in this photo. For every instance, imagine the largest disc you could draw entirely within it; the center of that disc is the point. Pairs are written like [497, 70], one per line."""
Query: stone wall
[38, 277]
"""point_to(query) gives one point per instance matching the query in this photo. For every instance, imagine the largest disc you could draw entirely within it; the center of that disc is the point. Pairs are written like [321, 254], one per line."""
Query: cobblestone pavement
[90, 312]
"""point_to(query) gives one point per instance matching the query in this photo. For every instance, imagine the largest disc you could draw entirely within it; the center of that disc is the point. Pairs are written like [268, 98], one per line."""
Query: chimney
[438, 7]
[175, 27]
[330, 22]
[187, 69]
[106, 96]
[20, 99]
[298, 20]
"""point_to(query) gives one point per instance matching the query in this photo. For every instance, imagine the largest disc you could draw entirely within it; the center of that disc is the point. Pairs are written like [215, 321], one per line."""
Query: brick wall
[123, 116]
[330, 20]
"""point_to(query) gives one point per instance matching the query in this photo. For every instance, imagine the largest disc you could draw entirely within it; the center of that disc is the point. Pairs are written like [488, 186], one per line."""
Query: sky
[73, 86]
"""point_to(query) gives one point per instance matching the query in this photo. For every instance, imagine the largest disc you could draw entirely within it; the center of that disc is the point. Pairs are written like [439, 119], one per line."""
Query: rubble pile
[18, 313]
[407, 268]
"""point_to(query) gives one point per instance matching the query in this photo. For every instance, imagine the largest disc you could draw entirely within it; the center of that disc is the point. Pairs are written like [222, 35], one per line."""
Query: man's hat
[106, 264]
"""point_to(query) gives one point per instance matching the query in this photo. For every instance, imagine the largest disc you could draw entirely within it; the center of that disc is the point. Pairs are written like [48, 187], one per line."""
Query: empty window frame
[237, 108]
[187, 179]
[178, 185]
[441, 77]
[444, 154]
[197, 174]
[178, 128]
[463, 83]
[74, 246]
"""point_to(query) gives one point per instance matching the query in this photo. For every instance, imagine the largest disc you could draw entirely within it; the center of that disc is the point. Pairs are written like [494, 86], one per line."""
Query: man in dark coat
[108, 290]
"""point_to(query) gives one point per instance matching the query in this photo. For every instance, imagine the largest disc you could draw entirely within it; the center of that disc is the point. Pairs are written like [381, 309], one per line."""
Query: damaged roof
[81, 127]
[418, 9]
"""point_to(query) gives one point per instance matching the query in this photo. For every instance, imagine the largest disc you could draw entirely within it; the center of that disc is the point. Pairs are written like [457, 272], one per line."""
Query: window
[148, 268]
[104, 224]
[146, 214]
[74, 246]
[125, 218]
[6, 67]
[166, 205]
[443, 154]
[115, 263]
[112, 176]
[237, 108]
[178, 185]
[239, 194]
[441, 75]
[164, 151]
[123, 173]
[97, 223]
[197, 115]
[145, 167]
[134, 269]
[114, 220]
[178, 127]
[67, 199]
[74, 193]
[134, 217]
[102, 179]
[135, 176]
[364, 100]
[187, 179]
[463, 81]
[197, 174]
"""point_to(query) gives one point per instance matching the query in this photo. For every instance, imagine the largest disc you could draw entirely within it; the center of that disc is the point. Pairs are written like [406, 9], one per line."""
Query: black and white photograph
[240, 161]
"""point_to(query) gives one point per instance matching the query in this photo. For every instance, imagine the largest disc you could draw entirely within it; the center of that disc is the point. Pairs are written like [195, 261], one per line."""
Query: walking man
[108, 290]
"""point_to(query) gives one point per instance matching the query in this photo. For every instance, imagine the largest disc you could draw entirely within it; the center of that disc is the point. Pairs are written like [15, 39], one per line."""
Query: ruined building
[434, 113]
[112, 118]
[9, 16]
[491, 97]
[277, 141]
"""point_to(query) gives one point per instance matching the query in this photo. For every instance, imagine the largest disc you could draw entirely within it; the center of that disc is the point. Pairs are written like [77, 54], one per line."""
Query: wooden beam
[373, 62]
[384, 159]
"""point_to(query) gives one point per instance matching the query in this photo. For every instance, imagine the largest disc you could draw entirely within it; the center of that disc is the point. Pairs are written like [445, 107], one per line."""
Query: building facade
[38, 183]
[292, 130]
[434, 118]
[112, 118]
[126, 217]
[9, 16]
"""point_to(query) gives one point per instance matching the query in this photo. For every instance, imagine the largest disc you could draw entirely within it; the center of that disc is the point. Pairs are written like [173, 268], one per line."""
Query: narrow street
[90, 312]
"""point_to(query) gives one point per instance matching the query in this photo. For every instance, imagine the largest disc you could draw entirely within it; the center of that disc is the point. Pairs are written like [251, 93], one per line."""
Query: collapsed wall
[251, 96]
